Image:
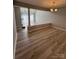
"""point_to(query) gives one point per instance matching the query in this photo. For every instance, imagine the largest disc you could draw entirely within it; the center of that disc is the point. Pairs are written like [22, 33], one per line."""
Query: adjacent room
[40, 29]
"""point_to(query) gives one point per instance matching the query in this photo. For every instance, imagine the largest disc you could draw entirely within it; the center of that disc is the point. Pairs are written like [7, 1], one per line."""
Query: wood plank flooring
[47, 43]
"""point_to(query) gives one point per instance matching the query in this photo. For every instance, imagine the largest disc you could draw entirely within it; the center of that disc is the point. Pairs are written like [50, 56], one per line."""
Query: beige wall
[56, 18]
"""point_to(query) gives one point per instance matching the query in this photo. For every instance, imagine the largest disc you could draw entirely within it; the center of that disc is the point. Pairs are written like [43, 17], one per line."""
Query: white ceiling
[46, 3]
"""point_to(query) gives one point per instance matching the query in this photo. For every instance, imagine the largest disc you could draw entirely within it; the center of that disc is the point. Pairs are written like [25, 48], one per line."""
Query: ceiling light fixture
[55, 9]
[51, 10]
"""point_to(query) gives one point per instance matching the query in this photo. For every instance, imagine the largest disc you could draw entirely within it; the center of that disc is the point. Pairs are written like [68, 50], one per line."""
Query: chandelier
[54, 9]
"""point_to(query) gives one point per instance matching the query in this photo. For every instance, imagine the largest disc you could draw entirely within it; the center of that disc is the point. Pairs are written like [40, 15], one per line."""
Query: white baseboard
[58, 27]
[18, 29]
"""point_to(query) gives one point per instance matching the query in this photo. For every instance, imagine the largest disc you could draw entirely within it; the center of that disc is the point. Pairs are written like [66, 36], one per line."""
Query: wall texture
[56, 18]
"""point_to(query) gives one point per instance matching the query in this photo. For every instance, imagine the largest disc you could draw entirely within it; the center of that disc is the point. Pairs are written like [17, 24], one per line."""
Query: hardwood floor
[47, 43]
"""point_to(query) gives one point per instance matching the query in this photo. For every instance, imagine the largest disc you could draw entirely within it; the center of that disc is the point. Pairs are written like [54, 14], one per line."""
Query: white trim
[58, 27]
[14, 35]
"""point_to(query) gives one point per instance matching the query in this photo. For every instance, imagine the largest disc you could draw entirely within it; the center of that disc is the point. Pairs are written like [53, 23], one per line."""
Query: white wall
[14, 35]
[56, 18]
[18, 17]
